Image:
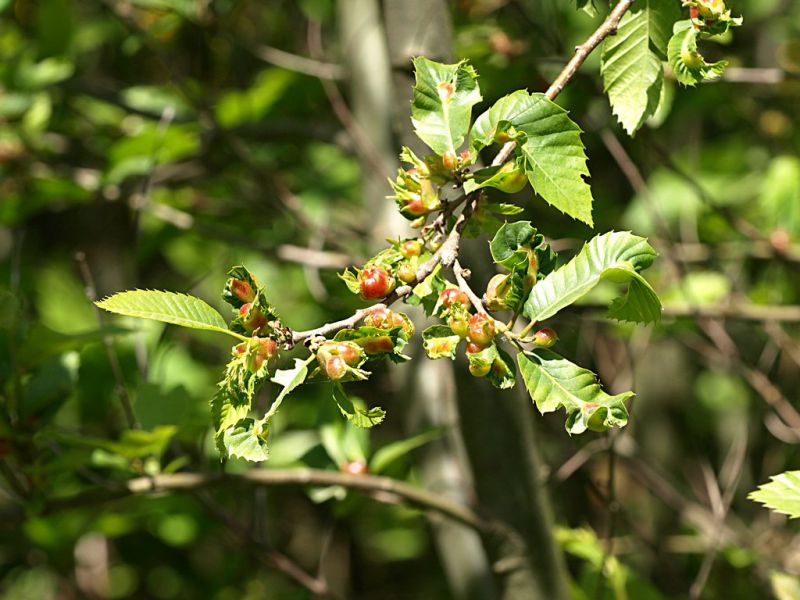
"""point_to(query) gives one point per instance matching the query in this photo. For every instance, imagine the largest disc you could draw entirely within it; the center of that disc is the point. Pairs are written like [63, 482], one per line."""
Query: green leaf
[554, 382]
[439, 341]
[357, 415]
[290, 379]
[388, 454]
[227, 409]
[351, 281]
[617, 256]
[586, 6]
[168, 307]
[442, 106]
[509, 243]
[781, 494]
[504, 208]
[688, 64]
[640, 304]
[631, 65]
[784, 586]
[553, 151]
[247, 440]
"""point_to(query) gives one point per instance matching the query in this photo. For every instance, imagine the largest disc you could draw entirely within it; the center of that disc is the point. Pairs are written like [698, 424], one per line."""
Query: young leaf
[248, 440]
[357, 415]
[351, 281]
[509, 243]
[290, 379]
[781, 494]
[688, 64]
[439, 341]
[226, 410]
[504, 208]
[554, 382]
[617, 256]
[631, 65]
[442, 106]
[586, 6]
[168, 307]
[553, 151]
[509, 178]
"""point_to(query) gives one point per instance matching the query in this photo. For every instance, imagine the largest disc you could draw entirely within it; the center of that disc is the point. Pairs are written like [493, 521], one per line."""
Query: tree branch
[383, 489]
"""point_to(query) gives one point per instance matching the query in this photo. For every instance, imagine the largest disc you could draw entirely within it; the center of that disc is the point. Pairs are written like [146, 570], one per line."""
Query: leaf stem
[528, 328]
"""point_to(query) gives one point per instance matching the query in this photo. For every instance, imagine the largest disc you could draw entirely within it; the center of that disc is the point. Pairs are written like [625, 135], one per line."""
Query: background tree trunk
[488, 456]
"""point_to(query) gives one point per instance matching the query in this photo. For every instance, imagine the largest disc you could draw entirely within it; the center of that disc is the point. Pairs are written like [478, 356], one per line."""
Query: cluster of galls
[255, 318]
[340, 360]
[477, 329]
[379, 276]
[418, 189]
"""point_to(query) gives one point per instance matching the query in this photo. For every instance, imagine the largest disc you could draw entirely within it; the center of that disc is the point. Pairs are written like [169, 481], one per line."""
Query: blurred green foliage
[150, 137]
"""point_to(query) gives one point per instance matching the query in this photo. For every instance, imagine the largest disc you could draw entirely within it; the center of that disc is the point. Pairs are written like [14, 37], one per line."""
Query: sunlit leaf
[617, 256]
[781, 494]
[555, 383]
[442, 106]
[168, 307]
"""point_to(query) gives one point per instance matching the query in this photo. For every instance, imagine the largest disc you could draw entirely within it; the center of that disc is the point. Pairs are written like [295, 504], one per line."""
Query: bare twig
[328, 328]
[299, 64]
[108, 342]
[461, 275]
[383, 489]
[266, 553]
[738, 311]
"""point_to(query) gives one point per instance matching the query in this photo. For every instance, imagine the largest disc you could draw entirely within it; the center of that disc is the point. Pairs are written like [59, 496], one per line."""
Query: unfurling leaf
[167, 307]
[554, 382]
[688, 64]
[439, 341]
[426, 293]
[290, 379]
[617, 256]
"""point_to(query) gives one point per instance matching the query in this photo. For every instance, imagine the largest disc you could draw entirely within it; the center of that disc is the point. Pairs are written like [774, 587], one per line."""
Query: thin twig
[737, 311]
[461, 275]
[299, 64]
[383, 489]
[108, 342]
[266, 553]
